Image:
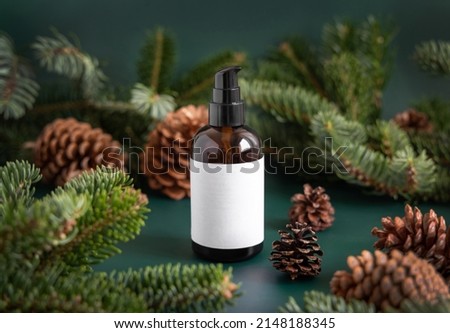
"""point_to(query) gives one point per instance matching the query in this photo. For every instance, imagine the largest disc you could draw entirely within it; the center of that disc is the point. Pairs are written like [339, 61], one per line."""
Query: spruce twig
[58, 54]
[434, 57]
[18, 91]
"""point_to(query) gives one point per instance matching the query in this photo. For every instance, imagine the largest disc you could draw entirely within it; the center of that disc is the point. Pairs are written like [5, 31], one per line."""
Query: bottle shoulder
[226, 145]
[233, 136]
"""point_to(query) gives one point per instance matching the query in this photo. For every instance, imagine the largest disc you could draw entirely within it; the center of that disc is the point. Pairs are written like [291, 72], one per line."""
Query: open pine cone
[426, 235]
[313, 207]
[298, 252]
[167, 153]
[67, 147]
[413, 120]
[388, 279]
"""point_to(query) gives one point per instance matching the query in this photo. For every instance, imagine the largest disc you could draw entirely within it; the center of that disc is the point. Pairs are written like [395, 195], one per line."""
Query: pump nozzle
[226, 107]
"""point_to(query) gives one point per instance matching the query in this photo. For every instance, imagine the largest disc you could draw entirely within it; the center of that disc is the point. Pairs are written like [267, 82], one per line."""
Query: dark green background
[114, 30]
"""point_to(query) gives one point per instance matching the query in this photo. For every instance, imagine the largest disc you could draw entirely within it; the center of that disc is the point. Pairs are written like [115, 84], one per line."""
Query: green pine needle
[58, 54]
[156, 60]
[18, 91]
[350, 86]
[319, 302]
[177, 288]
[284, 101]
[149, 103]
[434, 57]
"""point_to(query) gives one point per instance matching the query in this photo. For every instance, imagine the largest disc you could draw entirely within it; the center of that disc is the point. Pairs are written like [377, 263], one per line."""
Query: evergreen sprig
[157, 93]
[60, 55]
[47, 247]
[352, 89]
[149, 103]
[319, 302]
[284, 101]
[405, 174]
[156, 60]
[18, 91]
[197, 288]
[434, 57]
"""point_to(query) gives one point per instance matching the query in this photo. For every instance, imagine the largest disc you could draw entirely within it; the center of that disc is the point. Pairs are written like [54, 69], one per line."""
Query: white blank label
[227, 204]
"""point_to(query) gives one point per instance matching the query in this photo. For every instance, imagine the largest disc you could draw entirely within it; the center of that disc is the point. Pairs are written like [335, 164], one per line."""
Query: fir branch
[438, 111]
[16, 180]
[52, 291]
[18, 91]
[388, 137]
[433, 57]
[408, 306]
[284, 101]
[351, 88]
[406, 174]
[298, 54]
[177, 288]
[147, 102]
[369, 40]
[318, 302]
[437, 146]
[116, 215]
[275, 71]
[196, 84]
[441, 190]
[156, 60]
[58, 54]
[414, 175]
[91, 212]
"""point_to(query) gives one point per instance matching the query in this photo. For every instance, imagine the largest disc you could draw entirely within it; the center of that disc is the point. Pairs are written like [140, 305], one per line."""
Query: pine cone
[413, 120]
[387, 279]
[167, 154]
[67, 147]
[313, 207]
[426, 235]
[298, 252]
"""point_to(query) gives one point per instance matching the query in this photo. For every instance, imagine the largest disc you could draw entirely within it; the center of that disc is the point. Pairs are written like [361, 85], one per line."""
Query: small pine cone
[413, 120]
[167, 153]
[313, 207]
[67, 147]
[298, 252]
[387, 279]
[426, 235]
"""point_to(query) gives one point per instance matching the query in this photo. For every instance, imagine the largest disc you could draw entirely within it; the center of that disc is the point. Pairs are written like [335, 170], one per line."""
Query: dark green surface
[166, 238]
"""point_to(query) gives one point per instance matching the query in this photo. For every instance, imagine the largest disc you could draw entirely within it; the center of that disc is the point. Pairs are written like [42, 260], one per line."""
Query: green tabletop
[166, 238]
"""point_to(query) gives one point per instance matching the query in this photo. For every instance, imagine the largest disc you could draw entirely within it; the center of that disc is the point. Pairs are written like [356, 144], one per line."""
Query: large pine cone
[413, 120]
[67, 147]
[298, 252]
[313, 207]
[426, 235]
[387, 279]
[166, 157]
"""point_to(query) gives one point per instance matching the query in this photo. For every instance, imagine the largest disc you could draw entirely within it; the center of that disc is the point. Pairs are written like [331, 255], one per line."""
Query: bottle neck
[226, 115]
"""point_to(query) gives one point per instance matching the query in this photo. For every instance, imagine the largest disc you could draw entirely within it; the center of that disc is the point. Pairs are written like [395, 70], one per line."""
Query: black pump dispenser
[226, 108]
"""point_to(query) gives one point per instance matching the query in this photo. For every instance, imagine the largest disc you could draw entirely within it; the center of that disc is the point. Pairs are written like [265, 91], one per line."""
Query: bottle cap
[226, 107]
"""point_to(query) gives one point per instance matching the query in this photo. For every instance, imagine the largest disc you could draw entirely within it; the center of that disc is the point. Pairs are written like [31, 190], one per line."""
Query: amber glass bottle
[227, 179]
